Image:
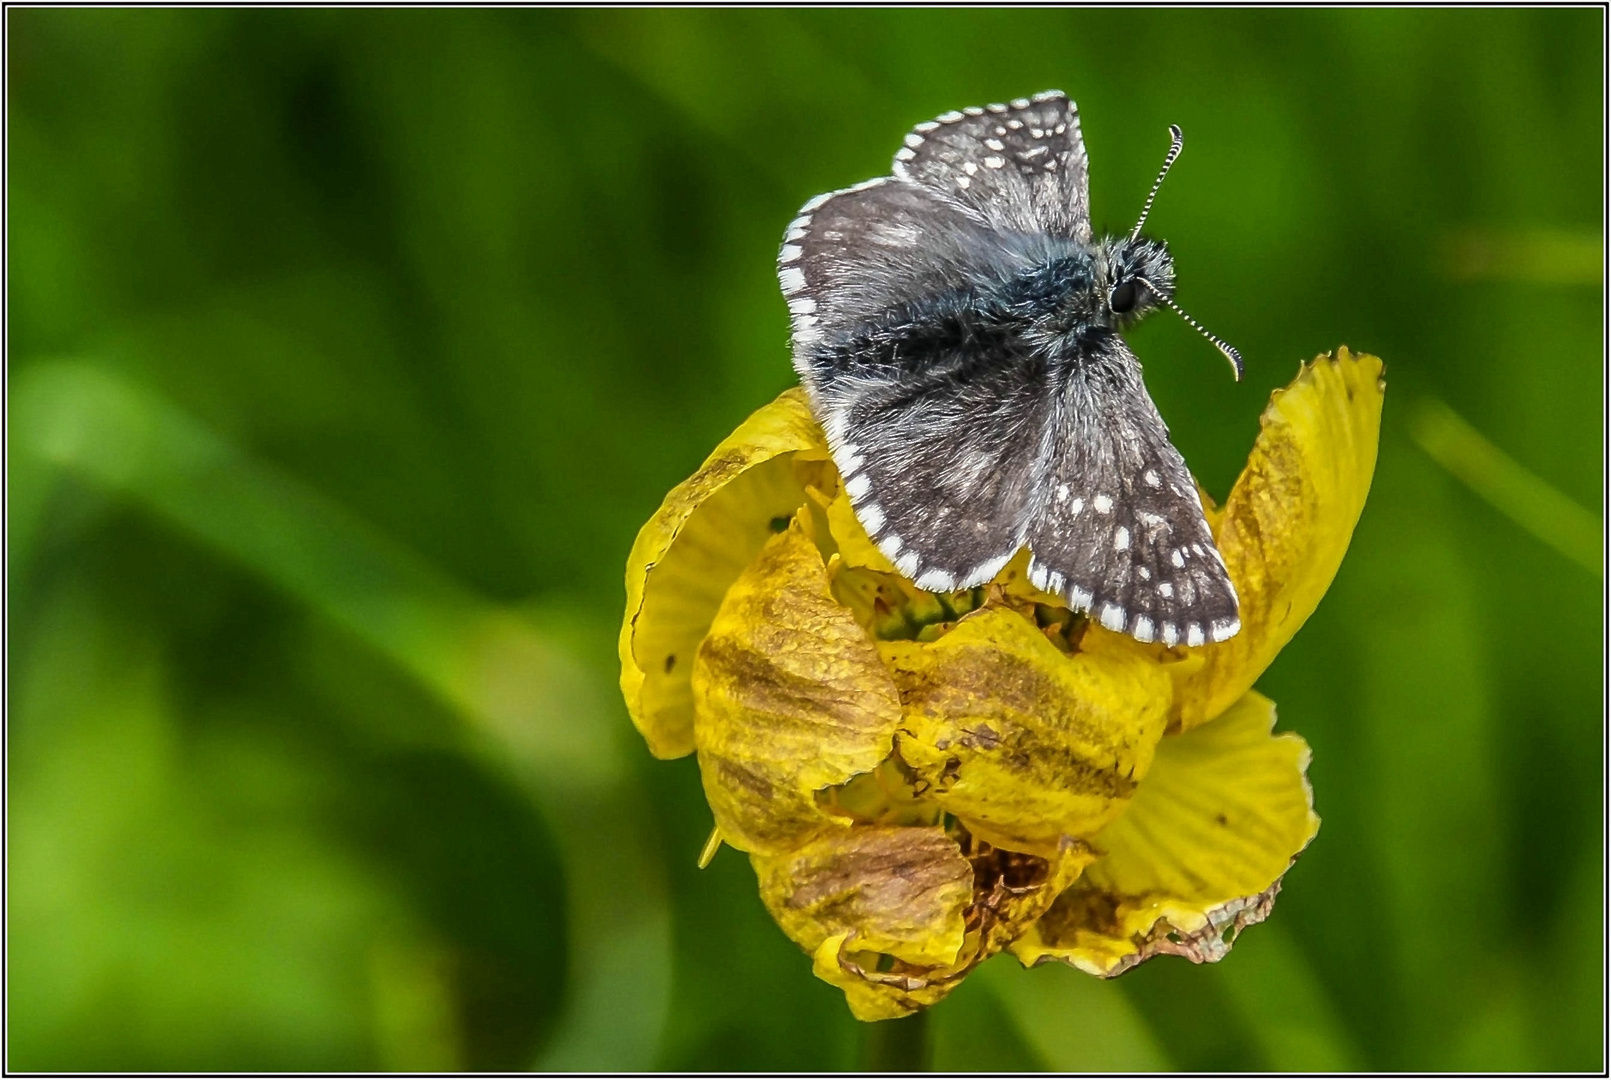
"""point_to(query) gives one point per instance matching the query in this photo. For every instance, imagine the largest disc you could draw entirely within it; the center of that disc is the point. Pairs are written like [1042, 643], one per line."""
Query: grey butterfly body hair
[956, 327]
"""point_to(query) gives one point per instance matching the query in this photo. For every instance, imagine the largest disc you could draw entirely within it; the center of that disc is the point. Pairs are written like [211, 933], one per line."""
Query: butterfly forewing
[1020, 166]
[851, 257]
[1120, 530]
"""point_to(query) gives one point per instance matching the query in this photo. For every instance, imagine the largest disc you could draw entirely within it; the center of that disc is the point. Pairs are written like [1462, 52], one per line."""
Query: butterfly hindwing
[1118, 529]
[940, 466]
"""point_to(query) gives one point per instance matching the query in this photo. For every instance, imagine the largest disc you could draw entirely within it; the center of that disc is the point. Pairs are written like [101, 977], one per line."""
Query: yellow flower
[924, 780]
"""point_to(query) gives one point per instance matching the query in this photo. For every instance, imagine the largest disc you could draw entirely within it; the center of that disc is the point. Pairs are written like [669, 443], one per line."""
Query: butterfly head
[1135, 275]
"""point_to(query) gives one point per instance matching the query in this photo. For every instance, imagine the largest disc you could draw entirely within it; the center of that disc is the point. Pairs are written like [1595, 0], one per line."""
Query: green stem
[898, 1046]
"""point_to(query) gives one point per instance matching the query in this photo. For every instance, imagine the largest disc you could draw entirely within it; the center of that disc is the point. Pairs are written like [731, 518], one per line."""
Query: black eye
[1123, 299]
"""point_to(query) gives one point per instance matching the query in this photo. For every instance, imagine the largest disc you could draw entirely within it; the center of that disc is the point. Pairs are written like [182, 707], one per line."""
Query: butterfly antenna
[1230, 354]
[1175, 142]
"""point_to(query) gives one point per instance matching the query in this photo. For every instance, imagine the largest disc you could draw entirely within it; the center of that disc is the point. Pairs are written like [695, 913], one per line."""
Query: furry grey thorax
[1056, 304]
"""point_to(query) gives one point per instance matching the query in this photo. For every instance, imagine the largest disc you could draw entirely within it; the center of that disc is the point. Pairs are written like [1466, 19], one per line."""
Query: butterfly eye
[1123, 298]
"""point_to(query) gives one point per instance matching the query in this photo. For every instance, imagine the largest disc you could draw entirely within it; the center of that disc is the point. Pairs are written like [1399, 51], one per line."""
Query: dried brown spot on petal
[1024, 744]
[1011, 889]
[1288, 521]
[897, 917]
[896, 891]
[791, 698]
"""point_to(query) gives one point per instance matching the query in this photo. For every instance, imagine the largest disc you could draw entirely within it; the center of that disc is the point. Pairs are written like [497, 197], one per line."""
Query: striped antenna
[1175, 142]
[1230, 354]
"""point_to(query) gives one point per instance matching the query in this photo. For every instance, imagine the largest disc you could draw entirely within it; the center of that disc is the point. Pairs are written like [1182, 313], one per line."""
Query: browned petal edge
[1208, 944]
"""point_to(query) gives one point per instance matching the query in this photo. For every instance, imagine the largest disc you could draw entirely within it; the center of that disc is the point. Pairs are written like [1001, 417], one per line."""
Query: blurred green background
[349, 350]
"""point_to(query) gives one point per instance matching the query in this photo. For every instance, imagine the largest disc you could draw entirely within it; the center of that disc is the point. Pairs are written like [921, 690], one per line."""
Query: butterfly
[957, 329]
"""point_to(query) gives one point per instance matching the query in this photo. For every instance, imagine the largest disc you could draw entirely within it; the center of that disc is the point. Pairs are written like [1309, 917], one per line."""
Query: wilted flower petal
[924, 779]
[790, 698]
[708, 529]
[1286, 526]
[1024, 744]
[1198, 854]
[896, 891]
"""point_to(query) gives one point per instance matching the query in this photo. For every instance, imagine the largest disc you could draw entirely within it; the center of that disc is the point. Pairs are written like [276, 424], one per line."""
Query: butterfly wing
[1118, 529]
[937, 417]
[940, 462]
[1021, 167]
[883, 282]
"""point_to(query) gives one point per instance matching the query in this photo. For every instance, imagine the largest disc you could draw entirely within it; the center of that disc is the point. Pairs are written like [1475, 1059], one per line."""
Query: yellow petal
[896, 891]
[708, 529]
[1024, 744]
[1287, 523]
[790, 698]
[873, 994]
[855, 546]
[1198, 854]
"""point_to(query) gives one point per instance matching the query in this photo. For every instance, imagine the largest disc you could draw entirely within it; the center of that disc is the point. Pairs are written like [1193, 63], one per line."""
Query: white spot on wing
[1080, 598]
[1165, 589]
[914, 140]
[890, 545]
[792, 278]
[856, 487]
[1151, 478]
[962, 182]
[1143, 628]
[1220, 629]
[1076, 506]
[1177, 558]
[995, 144]
[907, 564]
[988, 569]
[969, 167]
[789, 253]
[1169, 634]
[1062, 492]
[872, 517]
[927, 126]
[1194, 635]
[1112, 617]
[1145, 574]
[802, 305]
[905, 153]
[994, 162]
[935, 581]
[1121, 538]
[1102, 504]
